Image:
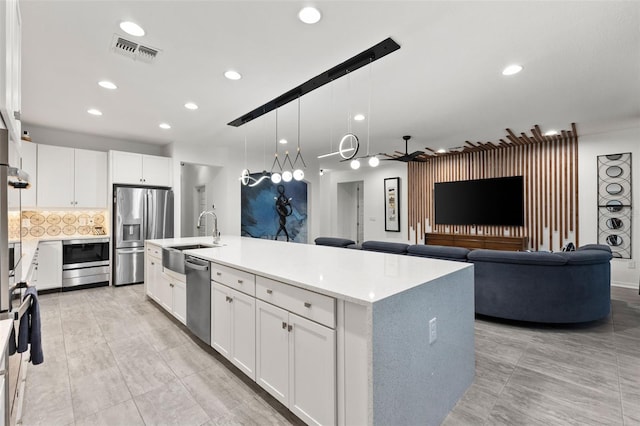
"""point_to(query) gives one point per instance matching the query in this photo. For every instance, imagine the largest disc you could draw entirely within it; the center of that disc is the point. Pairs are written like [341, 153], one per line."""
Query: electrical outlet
[433, 331]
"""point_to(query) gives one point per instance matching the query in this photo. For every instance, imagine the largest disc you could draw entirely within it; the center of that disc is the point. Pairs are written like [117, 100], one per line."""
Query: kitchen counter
[391, 365]
[353, 275]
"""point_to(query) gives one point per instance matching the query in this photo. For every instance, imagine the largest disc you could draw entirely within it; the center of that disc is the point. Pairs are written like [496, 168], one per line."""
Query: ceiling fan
[406, 157]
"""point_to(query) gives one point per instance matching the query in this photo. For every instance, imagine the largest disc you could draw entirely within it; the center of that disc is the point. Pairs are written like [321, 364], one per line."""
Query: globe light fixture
[355, 164]
[287, 176]
[374, 161]
[276, 177]
[298, 174]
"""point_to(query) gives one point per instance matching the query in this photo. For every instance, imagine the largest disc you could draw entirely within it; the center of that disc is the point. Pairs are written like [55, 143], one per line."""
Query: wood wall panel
[549, 165]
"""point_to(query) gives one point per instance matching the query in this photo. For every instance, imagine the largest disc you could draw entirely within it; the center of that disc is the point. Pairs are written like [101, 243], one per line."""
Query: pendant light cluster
[279, 170]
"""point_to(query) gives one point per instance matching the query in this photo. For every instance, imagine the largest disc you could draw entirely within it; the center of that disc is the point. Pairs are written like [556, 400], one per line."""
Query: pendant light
[276, 177]
[298, 174]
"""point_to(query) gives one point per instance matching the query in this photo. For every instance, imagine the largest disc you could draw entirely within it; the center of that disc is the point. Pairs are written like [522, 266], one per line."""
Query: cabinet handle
[218, 273]
[269, 291]
[307, 304]
[170, 284]
[290, 328]
[229, 299]
[152, 263]
[239, 281]
[284, 325]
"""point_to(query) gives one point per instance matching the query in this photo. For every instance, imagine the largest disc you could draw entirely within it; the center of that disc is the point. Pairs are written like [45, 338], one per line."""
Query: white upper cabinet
[70, 177]
[10, 66]
[90, 178]
[140, 169]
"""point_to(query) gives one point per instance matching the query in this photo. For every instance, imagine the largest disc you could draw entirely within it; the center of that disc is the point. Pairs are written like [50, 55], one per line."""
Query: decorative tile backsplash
[62, 224]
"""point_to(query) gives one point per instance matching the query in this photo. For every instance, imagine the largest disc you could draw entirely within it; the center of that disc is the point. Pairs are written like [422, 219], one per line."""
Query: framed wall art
[614, 203]
[392, 204]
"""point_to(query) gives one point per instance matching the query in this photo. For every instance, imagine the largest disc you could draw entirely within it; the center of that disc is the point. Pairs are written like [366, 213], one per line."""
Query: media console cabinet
[470, 241]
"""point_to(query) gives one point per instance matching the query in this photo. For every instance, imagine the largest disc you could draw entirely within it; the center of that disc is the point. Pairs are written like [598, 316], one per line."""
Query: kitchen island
[342, 336]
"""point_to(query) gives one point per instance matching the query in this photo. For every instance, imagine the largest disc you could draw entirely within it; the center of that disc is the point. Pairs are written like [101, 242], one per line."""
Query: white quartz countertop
[354, 275]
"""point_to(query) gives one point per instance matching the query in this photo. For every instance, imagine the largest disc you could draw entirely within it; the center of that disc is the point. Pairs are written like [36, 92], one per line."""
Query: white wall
[373, 179]
[58, 137]
[589, 148]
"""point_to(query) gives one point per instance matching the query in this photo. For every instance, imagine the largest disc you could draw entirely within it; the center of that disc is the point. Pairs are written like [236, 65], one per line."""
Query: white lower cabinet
[172, 294]
[48, 273]
[153, 275]
[233, 327]
[167, 288]
[296, 363]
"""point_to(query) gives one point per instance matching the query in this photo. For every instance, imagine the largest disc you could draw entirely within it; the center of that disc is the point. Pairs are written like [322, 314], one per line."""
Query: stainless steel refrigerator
[139, 213]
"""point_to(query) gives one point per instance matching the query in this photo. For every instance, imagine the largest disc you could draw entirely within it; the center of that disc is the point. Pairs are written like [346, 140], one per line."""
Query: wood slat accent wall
[549, 165]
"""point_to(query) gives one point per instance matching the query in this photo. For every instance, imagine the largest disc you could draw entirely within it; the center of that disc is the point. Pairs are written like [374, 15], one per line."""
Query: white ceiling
[444, 86]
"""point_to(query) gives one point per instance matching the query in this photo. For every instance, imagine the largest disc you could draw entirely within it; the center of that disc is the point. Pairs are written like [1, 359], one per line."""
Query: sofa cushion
[600, 247]
[333, 241]
[438, 252]
[385, 247]
[517, 257]
[587, 257]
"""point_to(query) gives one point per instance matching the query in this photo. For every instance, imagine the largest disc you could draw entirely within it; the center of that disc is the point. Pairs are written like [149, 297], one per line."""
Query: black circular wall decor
[615, 223]
[614, 171]
[614, 205]
[614, 189]
[614, 240]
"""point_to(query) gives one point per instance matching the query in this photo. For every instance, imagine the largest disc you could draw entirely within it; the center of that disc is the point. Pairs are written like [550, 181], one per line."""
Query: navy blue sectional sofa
[563, 287]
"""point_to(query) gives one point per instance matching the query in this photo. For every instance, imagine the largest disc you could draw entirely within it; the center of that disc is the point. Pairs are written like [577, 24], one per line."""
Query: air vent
[133, 50]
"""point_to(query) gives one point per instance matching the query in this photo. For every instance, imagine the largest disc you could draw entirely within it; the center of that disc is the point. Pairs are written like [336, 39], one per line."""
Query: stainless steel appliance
[198, 297]
[139, 213]
[85, 262]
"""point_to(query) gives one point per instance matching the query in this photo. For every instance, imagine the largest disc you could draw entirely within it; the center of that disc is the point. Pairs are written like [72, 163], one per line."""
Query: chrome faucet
[216, 233]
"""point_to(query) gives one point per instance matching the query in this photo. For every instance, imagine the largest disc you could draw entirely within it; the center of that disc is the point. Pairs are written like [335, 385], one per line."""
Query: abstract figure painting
[392, 204]
[275, 212]
[614, 203]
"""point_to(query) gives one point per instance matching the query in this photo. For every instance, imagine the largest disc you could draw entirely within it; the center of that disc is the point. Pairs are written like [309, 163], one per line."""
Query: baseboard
[625, 285]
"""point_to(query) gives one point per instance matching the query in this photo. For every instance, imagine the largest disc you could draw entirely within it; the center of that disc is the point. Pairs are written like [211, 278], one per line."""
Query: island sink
[173, 257]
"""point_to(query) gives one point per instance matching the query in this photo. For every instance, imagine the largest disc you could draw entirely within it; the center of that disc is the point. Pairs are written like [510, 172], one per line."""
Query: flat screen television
[496, 201]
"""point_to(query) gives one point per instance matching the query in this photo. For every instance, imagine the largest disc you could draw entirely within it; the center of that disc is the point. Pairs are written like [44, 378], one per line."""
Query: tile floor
[113, 358]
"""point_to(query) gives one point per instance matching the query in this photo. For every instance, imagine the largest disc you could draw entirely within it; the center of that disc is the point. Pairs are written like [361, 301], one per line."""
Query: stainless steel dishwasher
[198, 297]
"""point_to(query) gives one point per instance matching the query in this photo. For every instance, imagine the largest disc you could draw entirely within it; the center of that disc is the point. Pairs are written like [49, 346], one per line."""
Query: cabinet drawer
[314, 306]
[234, 278]
[154, 251]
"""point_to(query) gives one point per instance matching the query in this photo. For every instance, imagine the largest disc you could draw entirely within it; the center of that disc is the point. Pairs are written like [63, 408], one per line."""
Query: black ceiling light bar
[374, 53]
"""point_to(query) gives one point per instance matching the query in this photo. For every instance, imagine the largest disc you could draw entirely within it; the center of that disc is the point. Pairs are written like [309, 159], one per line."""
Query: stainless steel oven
[85, 261]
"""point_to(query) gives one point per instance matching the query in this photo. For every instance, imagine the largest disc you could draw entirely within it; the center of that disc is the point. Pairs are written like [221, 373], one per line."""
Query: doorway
[351, 210]
[198, 193]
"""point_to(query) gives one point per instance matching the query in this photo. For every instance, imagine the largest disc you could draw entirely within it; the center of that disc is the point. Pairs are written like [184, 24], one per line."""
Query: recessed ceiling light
[107, 85]
[132, 28]
[512, 69]
[164, 126]
[232, 75]
[358, 117]
[190, 105]
[94, 111]
[283, 141]
[441, 151]
[551, 133]
[309, 15]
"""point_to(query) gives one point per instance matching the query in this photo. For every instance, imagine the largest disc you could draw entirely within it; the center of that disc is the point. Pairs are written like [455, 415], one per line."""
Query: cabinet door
[180, 301]
[90, 182]
[312, 371]
[126, 167]
[29, 165]
[153, 271]
[10, 69]
[243, 332]
[55, 176]
[165, 292]
[221, 319]
[49, 264]
[272, 350]
[156, 170]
